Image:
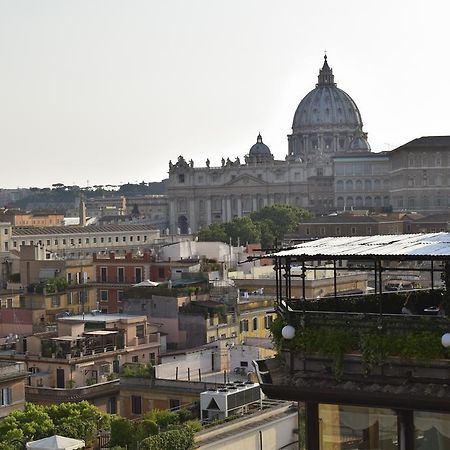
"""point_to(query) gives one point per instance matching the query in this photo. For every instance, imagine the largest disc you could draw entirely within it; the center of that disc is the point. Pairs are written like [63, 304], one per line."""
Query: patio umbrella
[56, 443]
[147, 283]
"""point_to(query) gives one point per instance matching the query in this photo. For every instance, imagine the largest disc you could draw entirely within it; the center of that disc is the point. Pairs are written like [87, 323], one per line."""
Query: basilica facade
[329, 167]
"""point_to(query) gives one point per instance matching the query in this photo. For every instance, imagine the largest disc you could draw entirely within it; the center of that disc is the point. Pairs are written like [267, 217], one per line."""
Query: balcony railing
[53, 395]
[11, 369]
[344, 344]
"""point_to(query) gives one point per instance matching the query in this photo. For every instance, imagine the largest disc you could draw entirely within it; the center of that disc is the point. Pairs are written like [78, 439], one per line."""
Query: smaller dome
[259, 149]
[360, 144]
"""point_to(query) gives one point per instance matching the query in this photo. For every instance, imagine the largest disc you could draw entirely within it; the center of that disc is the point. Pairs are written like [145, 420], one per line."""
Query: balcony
[10, 370]
[91, 343]
[58, 395]
[382, 350]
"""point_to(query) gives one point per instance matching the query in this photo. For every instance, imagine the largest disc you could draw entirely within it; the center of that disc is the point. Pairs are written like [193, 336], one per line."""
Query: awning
[100, 332]
[56, 443]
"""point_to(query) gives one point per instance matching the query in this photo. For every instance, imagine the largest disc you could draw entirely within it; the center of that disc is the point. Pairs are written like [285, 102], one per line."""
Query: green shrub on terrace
[374, 343]
[138, 371]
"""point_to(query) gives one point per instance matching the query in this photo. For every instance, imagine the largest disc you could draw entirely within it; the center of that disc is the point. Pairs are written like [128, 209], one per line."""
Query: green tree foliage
[82, 420]
[239, 230]
[280, 219]
[77, 420]
[242, 230]
[213, 232]
[264, 226]
[162, 417]
[30, 424]
[177, 439]
[122, 432]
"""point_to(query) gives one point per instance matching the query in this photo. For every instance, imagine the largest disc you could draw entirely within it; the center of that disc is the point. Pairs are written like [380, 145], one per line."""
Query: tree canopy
[75, 420]
[265, 226]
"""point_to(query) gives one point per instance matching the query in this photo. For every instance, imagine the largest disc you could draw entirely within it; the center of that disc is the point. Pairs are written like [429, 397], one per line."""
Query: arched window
[377, 201]
[255, 323]
[359, 202]
[368, 202]
[349, 185]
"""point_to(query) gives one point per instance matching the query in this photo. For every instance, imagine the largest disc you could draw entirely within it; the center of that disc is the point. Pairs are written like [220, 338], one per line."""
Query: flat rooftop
[100, 317]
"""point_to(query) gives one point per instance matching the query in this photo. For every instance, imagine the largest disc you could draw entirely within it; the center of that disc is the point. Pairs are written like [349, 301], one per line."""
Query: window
[86, 240]
[353, 230]
[120, 296]
[112, 405]
[105, 369]
[72, 242]
[117, 238]
[94, 240]
[70, 298]
[243, 325]
[135, 359]
[48, 241]
[56, 241]
[104, 296]
[124, 239]
[5, 396]
[110, 239]
[79, 240]
[138, 238]
[161, 273]
[15, 244]
[140, 329]
[55, 300]
[152, 358]
[268, 321]
[102, 240]
[255, 323]
[181, 178]
[103, 274]
[174, 404]
[120, 274]
[136, 404]
[138, 274]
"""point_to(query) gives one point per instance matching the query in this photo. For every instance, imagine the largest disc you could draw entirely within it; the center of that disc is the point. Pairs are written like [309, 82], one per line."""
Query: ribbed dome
[326, 106]
[259, 149]
[360, 144]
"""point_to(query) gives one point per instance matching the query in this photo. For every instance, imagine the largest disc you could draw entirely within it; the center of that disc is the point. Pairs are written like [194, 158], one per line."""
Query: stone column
[255, 203]
[172, 218]
[192, 216]
[266, 200]
[239, 207]
[229, 216]
[208, 212]
[224, 210]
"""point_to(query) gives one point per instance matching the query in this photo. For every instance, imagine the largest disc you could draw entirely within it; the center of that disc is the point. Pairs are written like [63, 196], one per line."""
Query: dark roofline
[425, 142]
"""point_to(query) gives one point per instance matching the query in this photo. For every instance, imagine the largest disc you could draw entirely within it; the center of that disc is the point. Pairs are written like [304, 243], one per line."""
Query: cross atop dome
[326, 76]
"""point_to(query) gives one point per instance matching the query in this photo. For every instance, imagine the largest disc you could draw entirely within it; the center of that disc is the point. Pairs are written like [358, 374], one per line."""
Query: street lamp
[288, 332]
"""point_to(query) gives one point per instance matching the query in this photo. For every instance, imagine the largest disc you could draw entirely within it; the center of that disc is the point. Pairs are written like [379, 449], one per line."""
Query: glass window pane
[432, 430]
[354, 428]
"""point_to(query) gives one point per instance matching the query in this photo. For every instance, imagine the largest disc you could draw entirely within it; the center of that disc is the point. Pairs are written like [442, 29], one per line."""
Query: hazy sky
[108, 91]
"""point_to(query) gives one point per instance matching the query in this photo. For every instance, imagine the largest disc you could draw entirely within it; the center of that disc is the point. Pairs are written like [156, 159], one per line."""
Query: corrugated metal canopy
[408, 246]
